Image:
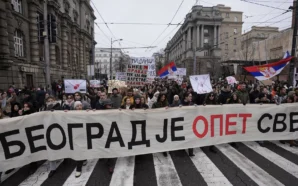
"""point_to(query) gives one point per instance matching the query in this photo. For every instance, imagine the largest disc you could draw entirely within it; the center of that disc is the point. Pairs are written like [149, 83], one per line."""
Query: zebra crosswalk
[248, 164]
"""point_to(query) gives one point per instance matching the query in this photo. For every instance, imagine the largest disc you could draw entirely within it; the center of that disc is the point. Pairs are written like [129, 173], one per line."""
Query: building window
[206, 41]
[17, 5]
[57, 51]
[227, 35]
[227, 15]
[105, 55]
[227, 47]
[116, 55]
[235, 41]
[235, 19]
[18, 43]
[206, 31]
[235, 30]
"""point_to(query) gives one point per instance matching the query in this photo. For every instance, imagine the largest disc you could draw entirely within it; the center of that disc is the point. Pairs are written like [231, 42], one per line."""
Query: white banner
[75, 85]
[113, 133]
[201, 83]
[146, 61]
[95, 83]
[181, 71]
[121, 76]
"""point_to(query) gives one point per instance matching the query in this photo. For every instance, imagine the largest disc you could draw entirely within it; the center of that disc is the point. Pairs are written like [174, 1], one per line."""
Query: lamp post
[112, 41]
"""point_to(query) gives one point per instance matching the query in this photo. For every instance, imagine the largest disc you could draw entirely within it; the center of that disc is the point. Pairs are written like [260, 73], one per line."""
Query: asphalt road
[248, 164]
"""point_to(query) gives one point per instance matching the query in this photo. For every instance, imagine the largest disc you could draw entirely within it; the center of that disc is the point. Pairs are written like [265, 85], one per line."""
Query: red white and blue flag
[169, 69]
[264, 72]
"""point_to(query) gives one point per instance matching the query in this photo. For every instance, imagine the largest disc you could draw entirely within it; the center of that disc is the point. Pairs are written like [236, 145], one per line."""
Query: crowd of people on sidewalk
[162, 93]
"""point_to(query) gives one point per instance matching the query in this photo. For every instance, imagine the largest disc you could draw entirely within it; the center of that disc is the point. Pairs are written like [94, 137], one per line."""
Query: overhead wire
[169, 23]
[268, 6]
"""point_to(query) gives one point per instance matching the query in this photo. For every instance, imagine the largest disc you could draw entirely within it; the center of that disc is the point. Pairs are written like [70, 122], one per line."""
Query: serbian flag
[169, 69]
[264, 72]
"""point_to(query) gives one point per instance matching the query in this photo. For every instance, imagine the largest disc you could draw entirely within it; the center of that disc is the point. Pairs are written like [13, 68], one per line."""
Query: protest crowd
[161, 93]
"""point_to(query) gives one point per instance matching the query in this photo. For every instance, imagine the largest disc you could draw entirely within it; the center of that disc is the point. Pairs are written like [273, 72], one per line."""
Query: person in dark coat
[211, 100]
[162, 102]
[138, 105]
[188, 102]
[15, 107]
[176, 101]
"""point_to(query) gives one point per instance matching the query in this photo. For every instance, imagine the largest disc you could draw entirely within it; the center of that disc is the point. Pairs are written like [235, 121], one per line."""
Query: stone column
[184, 43]
[198, 37]
[188, 38]
[218, 36]
[10, 28]
[202, 36]
[81, 54]
[53, 54]
[34, 43]
[4, 43]
[215, 36]
[64, 46]
[74, 50]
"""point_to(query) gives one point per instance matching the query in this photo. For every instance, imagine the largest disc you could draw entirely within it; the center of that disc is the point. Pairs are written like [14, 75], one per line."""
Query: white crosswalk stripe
[83, 179]
[257, 174]
[40, 175]
[3, 177]
[274, 158]
[208, 170]
[286, 147]
[165, 171]
[124, 172]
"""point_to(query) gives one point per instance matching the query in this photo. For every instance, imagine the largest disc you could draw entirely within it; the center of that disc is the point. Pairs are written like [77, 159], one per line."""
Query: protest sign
[201, 83]
[121, 76]
[231, 80]
[94, 83]
[75, 85]
[115, 84]
[136, 75]
[81, 135]
[181, 71]
[146, 61]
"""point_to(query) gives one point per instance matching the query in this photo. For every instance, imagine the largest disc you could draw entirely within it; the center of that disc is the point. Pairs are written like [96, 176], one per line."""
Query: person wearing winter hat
[78, 105]
[78, 97]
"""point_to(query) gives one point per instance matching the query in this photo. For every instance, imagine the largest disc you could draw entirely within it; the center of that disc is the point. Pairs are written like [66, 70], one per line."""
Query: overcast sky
[162, 11]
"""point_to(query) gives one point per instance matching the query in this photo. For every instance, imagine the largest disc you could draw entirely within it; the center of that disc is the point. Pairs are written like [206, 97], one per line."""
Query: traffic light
[52, 28]
[40, 27]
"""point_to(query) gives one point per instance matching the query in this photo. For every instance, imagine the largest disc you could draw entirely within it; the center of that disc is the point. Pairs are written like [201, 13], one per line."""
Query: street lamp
[112, 41]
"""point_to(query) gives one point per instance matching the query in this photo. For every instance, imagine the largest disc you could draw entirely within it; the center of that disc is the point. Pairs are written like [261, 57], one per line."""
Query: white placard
[121, 76]
[75, 85]
[95, 83]
[81, 135]
[146, 61]
[231, 80]
[181, 71]
[201, 83]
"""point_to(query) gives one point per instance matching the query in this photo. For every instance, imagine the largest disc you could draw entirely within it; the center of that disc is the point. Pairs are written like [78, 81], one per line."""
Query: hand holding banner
[83, 135]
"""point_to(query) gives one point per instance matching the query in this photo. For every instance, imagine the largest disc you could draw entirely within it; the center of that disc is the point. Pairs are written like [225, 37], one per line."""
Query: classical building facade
[256, 34]
[202, 37]
[231, 28]
[103, 57]
[22, 54]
